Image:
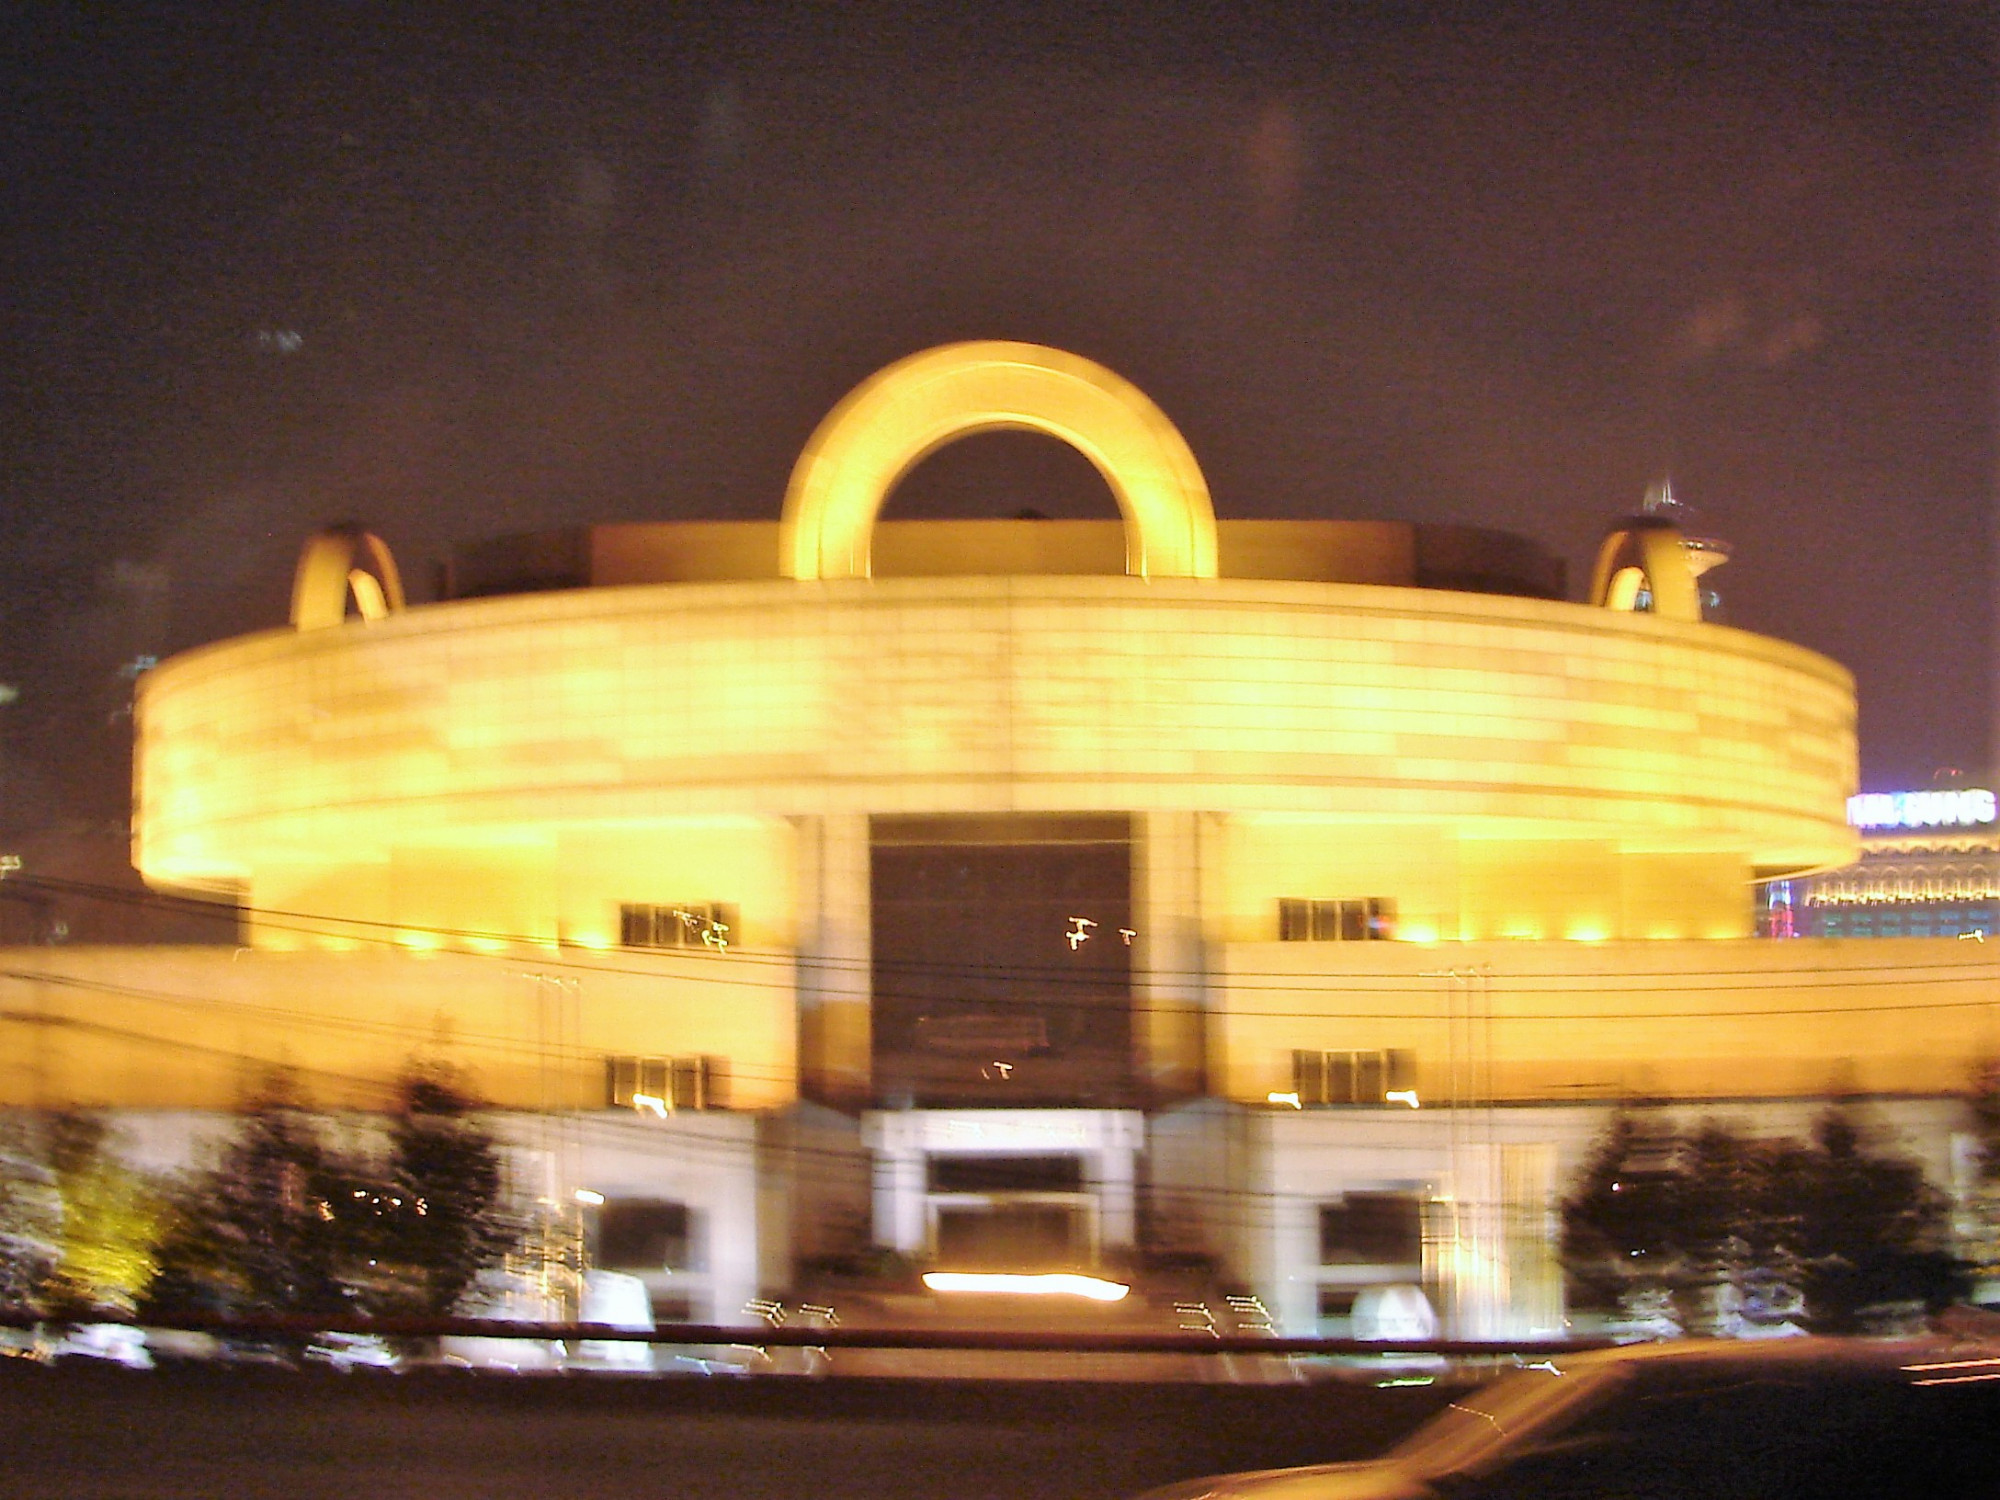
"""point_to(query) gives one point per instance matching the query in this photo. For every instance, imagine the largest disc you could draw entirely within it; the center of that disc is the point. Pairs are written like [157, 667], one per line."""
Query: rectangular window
[1366, 1076]
[1354, 920]
[710, 925]
[1371, 1076]
[642, 1234]
[665, 1083]
[694, 1083]
[1372, 1229]
[1005, 1174]
[1337, 1301]
[1309, 1076]
[1012, 1235]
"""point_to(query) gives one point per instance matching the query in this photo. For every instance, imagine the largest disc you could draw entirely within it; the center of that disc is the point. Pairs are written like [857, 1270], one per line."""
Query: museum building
[1298, 894]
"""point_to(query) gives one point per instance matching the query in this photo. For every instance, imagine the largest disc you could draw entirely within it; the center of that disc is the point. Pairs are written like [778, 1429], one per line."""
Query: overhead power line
[390, 936]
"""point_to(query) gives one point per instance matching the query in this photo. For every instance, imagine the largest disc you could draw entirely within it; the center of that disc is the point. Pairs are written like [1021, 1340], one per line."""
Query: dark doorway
[1012, 1236]
[1002, 961]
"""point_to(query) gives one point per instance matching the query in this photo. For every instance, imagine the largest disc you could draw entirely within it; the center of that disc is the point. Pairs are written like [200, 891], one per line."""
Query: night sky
[535, 265]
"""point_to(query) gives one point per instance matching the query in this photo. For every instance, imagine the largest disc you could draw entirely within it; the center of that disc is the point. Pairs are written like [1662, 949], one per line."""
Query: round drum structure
[513, 718]
[1402, 718]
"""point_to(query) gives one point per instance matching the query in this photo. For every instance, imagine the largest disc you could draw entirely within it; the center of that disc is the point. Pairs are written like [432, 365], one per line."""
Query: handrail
[764, 1336]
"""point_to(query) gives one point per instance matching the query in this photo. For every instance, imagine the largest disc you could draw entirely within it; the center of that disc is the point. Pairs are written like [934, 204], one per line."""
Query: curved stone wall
[507, 719]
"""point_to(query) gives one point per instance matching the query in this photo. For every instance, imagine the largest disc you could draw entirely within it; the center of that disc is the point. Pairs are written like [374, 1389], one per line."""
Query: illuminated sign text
[1959, 809]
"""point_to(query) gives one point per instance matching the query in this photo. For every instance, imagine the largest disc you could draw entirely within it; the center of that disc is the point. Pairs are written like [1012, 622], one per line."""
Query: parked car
[1792, 1419]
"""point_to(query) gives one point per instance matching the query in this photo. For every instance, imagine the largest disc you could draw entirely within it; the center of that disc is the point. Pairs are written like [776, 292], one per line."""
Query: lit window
[671, 1083]
[709, 925]
[1366, 1076]
[1350, 921]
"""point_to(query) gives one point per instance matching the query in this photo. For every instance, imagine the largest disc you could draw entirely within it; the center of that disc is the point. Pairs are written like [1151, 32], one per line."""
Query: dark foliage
[258, 1232]
[290, 1221]
[438, 1216]
[1714, 1219]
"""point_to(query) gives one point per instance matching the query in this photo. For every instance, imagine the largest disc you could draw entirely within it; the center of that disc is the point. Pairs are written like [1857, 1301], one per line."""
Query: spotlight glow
[1051, 1285]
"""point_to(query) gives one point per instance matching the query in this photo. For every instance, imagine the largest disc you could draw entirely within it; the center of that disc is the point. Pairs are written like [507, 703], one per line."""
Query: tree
[1980, 1229]
[1618, 1223]
[259, 1232]
[1714, 1224]
[79, 1230]
[30, 1216]
[437, 1216]
[1865, 1231]
[293, 1219]
[111, 1222]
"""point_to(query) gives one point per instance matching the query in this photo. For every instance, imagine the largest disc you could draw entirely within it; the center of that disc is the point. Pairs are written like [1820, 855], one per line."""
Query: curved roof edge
[1470, 559]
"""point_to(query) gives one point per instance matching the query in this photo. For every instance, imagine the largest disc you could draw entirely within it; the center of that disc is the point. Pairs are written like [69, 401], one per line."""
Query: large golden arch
[328, 574]
[1649, 554]
[888, 423]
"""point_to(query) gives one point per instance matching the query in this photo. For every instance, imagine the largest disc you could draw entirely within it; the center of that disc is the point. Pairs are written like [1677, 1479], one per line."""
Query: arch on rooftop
[890, 422]
[342, 562]
[1649, 555]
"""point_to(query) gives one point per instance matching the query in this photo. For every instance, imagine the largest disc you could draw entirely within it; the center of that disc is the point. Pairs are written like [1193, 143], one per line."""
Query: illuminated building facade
[1299, 893]
[1929, 867]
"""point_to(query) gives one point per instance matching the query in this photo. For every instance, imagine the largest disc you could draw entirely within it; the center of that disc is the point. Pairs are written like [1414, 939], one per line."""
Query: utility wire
[387, 937]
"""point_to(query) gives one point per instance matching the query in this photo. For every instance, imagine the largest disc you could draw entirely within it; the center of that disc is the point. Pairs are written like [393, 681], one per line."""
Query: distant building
[1929, 867]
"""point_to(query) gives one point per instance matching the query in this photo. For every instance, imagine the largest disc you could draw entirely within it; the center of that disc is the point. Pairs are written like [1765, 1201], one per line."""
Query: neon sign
[1959, 809]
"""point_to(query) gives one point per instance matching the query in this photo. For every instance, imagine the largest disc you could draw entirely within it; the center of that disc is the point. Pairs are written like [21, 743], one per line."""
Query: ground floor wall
[1292, 1201]
[1311, 1212]
[679, 1203]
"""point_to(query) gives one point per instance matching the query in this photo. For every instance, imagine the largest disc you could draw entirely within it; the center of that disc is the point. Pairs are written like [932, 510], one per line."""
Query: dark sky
[270, 266]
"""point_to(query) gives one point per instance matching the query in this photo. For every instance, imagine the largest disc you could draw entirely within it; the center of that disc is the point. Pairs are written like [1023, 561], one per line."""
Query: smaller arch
[340, 562]
[1650, 554]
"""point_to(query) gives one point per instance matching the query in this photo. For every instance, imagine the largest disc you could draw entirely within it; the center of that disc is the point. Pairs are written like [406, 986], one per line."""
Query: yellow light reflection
[1053, 1284]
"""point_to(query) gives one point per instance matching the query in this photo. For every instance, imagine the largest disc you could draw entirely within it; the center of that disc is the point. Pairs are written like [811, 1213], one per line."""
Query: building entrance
[1002, 962]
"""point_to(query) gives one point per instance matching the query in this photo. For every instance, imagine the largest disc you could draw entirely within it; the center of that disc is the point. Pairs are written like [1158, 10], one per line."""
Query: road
[86, 1432]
